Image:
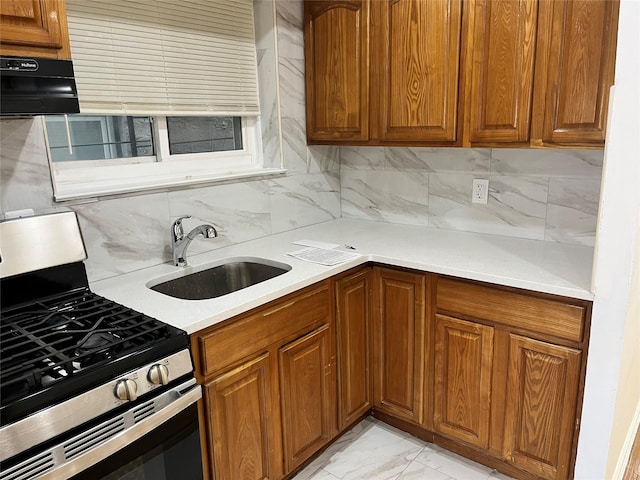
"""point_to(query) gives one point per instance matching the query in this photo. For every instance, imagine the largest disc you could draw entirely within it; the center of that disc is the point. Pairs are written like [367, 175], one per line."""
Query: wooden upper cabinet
[34, 28]
[500, 75]
[415, 66]
[574, 71]
[540, 410]
[337, 70]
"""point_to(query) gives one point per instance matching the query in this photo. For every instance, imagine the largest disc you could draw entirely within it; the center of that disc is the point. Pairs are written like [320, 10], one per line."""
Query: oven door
[155, 439]
[170, 452]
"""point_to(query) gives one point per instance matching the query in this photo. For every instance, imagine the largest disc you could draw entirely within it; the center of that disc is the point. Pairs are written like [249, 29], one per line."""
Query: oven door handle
[183, 396]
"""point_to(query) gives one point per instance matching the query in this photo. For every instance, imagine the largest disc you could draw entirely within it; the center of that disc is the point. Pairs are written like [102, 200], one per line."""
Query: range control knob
[159, 374]
[126, 389]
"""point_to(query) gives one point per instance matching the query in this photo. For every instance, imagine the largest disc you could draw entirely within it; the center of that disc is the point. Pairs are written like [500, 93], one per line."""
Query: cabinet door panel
[399, 354]
[577, 43]
[241, 422]
[540, 410]
[504, 33]
[352, 324]
[337, 70]
[463, 365]
[34, 28]
[308, 411]
[417, 45]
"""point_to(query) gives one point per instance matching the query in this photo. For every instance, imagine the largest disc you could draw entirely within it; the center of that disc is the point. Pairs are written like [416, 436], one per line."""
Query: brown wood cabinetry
[500, 72]
[463, 369]
[574, 71]
[540, 408]
[269, 386]
[399, 344]
[459, 72]
[493, 373]
[508, 372]
[307, 385]
[415, 66]
[337, 70]
[34, 28]
[353, 327]
[241, 417]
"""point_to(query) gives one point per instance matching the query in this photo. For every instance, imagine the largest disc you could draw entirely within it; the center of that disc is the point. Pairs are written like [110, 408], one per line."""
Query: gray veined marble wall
[542, 194]
[132, 232]
[539, 194]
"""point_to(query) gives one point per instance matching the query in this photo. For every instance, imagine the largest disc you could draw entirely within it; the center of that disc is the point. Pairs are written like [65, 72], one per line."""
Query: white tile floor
[373, 450]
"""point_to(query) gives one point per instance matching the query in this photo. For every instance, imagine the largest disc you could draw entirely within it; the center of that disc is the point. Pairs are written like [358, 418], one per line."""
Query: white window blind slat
[162, 57]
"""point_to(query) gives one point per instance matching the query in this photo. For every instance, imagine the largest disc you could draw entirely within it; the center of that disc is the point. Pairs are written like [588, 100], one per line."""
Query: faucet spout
[180, 242]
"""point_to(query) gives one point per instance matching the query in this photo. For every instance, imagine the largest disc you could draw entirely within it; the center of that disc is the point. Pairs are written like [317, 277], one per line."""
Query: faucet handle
[176, 228]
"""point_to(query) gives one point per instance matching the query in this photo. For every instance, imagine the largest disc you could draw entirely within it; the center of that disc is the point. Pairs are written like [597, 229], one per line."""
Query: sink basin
[206, 282]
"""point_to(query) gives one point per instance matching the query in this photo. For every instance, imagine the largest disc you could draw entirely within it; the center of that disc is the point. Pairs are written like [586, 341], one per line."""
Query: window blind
[164, 57]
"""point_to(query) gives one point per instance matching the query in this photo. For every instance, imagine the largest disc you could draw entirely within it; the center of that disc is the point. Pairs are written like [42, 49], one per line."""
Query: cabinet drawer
[552, 317]
[230, 344]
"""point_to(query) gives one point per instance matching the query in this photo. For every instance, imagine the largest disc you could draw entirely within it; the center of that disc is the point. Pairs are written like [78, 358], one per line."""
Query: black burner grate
[52, 343]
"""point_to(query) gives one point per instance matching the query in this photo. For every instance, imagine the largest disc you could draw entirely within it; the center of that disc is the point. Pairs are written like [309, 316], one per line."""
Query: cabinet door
[500, 86]
[415, 60]
[34, 28]
[540, 409]
[352, 325]
[307, 386]
[398, 343]
[336, 35]
[463, 365]
[243, 422]
[574, 70]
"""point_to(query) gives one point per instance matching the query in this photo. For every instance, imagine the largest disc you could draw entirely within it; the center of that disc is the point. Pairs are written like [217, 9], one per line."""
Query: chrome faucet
[180, 242]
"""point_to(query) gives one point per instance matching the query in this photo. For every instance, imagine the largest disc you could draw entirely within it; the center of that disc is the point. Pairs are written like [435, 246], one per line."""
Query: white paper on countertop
[323, 256]
[315, 243]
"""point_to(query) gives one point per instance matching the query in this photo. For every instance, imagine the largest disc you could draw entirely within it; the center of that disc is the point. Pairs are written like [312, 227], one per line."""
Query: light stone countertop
[530, 264]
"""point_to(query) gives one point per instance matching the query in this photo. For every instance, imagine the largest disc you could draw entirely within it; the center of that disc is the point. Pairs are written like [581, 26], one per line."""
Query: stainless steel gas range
[89, 389]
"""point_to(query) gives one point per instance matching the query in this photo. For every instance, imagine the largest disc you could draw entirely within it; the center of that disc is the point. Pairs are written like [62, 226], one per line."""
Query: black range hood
[37, 86]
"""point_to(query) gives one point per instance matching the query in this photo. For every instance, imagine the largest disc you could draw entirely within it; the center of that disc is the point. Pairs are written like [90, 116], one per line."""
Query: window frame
[81, 179]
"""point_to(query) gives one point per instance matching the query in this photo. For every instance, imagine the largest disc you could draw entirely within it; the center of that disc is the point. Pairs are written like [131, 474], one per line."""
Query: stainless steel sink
[206, 282]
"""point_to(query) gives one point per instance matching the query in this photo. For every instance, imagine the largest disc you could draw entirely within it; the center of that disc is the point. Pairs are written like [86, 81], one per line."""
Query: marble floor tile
[373, 450]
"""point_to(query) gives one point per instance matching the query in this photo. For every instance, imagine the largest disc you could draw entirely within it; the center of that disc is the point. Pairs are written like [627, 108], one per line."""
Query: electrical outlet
[480, 191]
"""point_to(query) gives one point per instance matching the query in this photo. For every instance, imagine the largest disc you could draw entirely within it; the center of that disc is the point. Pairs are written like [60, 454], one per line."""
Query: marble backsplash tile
[239, 212]
[533, 193]
[301, 200]
[572, 210]
[516, 206]
[395, 197]
[125, 234]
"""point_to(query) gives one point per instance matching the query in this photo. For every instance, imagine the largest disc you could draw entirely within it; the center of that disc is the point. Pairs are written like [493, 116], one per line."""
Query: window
[98, 137]
[168, 94]
[94, 155]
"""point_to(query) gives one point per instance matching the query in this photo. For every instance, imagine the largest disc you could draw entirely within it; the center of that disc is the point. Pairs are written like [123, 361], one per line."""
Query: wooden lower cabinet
[462, 390]
[492, 373]
[353, 330]
[269, 386]
[508, 369]
[243, 418]
[540, 409]
[307, 386]
[398, 344]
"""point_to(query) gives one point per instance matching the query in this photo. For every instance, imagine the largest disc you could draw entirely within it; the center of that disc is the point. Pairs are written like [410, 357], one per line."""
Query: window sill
[92, 183]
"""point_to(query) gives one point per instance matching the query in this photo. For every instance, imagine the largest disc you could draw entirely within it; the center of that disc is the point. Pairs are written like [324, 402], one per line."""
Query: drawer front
[514, 309]
[231, 344]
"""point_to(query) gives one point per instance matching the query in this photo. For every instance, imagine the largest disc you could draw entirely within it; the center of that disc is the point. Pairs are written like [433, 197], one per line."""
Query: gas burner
[51, 345]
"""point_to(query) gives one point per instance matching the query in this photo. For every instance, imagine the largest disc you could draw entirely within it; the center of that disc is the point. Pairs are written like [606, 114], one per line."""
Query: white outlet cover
[480, 191]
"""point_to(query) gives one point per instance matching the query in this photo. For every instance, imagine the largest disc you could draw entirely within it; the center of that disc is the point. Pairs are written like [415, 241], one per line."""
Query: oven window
[170, 452]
